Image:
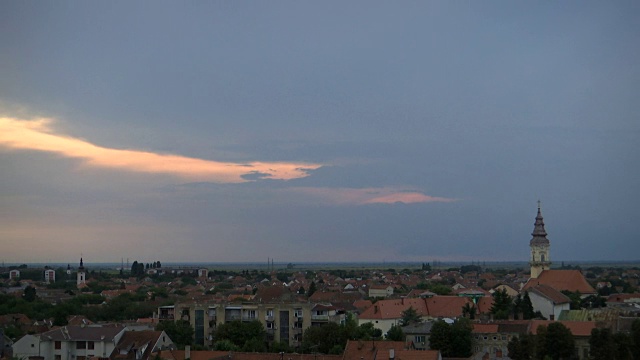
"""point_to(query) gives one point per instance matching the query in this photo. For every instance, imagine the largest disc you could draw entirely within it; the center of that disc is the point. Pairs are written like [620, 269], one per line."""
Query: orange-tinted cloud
[385, 195]
[38, 135]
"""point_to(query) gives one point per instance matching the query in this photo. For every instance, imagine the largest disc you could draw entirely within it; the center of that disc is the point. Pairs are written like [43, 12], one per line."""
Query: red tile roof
[550, 293]
[570, 280]
[370, 350]
[577, 328]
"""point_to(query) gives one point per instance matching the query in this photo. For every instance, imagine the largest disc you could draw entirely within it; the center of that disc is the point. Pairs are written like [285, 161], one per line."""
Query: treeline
[124, 307]
[556, 342]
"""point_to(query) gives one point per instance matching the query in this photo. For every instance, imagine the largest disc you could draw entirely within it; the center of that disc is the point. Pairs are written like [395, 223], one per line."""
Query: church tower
[82, 276]
[539, 244]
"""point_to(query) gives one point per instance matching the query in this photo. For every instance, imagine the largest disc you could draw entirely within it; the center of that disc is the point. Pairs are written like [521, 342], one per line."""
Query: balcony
[232, 317]
[320, 317]
[249, 318]
[268, 318]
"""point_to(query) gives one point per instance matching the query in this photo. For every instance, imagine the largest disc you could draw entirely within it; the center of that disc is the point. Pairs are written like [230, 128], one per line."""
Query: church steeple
[81, 277]
[540, 246]
[539, 233]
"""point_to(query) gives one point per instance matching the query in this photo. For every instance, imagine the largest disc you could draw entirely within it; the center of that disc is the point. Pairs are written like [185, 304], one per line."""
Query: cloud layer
[38, 135]
[384, 195]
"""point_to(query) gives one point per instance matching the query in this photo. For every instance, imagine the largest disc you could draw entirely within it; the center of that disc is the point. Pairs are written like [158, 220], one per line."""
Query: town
[154, 311]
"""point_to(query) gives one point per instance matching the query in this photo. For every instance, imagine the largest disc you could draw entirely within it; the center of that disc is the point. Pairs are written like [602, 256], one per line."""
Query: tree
[179, 331]
[134, 268]
[601, 344]
[312, 288]
[29, 294]
[225, 345]
[526, 307]
[559, 342]
[240, 332]
[440, 337]
[461, 339]
[501, 307]
[410, 316]
[324, 337]
[635, 338]
[622, 344]
[521, 347]
[469, 310]
[395, 333]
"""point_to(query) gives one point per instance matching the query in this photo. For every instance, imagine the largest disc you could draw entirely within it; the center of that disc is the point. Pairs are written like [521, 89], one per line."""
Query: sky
[365, 131]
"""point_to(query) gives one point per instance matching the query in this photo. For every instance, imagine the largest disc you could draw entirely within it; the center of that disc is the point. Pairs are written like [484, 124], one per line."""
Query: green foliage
[502, 305]
[558, 342]
[395, 333]
[179, 331]
[469, 310]
[312, 288]
[440, 289]
[575, 297]
[635, 338]
[254, 345]
[622, 346]
[323, 338]
[601, 344]
[440, 337]
[225, 345]
[29, 294]
[280, 346]
[410, 316]
[470, 268]
[239, 333]
[461, 338]
[452, 340]
[521, 347]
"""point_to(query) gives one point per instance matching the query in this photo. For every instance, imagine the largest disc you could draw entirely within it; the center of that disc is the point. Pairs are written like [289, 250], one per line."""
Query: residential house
[69, 343]
[380, 291]
[418, 334]
[549, 301]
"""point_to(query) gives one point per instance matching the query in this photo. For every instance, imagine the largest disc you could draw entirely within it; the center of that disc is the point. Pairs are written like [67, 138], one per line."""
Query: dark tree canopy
[410, 316]
[179, 331]
[395, 333]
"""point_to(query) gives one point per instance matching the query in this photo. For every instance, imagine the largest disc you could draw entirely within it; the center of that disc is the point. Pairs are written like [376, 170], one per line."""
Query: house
[139, 345]
[380, 291]
[418, 334]
[69, 343]
[549, 301]
[14, 274]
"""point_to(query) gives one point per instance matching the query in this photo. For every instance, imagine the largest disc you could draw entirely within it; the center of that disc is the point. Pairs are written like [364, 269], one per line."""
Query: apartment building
[284, 321]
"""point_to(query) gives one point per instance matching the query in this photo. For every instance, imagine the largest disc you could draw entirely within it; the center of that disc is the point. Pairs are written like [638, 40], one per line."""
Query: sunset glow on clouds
[19, 134]
[385, 195]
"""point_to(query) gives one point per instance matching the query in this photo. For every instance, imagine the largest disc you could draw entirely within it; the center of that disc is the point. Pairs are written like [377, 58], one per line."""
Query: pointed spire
[81, 265]
[539, 233]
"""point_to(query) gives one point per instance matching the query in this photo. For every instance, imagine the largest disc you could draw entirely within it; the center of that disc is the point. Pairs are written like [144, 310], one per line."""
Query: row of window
[80, 345]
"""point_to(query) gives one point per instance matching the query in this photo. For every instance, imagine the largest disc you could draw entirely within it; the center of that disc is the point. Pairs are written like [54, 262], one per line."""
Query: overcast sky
[318, 131]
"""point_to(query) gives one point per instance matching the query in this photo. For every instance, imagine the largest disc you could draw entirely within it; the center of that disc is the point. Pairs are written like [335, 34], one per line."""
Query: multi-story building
[49, 276]
[283, 322]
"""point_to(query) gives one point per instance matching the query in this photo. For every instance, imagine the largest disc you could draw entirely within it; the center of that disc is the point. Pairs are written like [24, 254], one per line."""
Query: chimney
[392, 354]
[187, 352]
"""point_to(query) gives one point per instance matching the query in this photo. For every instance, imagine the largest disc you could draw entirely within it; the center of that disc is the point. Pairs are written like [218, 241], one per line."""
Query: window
[90, 345]
[298, 313]
[495, 338]
[419, 339]
[270, 325]
[81, 345]
[251, 314]
[270, 312]
[81, 358]
[485, 338]
[58, 357]
[57, 345]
